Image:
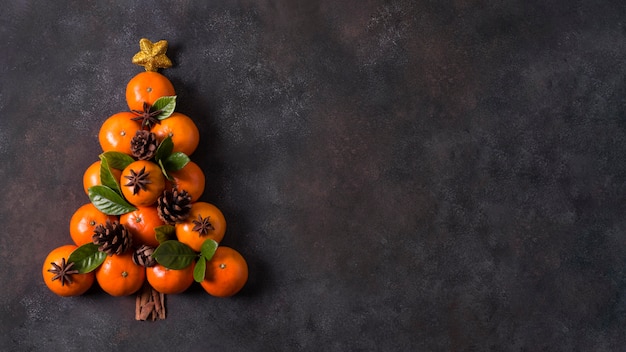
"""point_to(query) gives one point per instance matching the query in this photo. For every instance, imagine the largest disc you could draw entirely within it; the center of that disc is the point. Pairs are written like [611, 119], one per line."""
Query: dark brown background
[401, 175]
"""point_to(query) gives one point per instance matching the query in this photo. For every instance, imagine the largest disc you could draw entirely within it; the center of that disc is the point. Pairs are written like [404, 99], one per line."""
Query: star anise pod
[63, 272]
[138, 180]
[202, 225]
[148, 118]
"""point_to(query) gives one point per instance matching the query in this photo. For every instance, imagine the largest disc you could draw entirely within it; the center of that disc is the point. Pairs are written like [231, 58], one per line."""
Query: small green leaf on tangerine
[117, 160]
[164, 171]
[107, 201]
[175, 161]
[86, 258]
[107, 178]
[199, 270]
[208, 248]
[173, 254]
[165, 233]
[164, 150]
[165, 105]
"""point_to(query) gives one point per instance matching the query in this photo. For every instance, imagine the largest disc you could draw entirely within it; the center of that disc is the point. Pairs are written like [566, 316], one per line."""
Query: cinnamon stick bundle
[149, 304]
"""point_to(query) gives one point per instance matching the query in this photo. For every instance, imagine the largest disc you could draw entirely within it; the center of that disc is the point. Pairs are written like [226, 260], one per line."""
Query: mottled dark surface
[401, 175]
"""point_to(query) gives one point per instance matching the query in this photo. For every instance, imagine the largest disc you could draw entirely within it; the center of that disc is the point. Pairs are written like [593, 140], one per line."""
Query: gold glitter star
[152, 55]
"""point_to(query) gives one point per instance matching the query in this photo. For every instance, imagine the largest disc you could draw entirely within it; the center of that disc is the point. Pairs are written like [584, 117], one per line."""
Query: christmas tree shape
[145, 230]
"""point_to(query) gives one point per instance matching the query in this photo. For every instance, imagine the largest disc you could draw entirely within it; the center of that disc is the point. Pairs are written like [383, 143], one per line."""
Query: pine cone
[112, 237]
[174, 206]
[143, 145]
[143, 256]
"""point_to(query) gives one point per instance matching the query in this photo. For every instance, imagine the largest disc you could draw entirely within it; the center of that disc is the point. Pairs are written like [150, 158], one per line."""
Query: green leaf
[165, 149]
[176, 161]
[207, 250]
[164, 170]
[174, 255]
[165, 233]
[199, 270]
[86, 258]
[107, 178]
[117, 160]
[109, 202]
[165, 105]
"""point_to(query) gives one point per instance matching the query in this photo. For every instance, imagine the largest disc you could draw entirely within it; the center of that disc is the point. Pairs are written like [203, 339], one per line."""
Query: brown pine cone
[143, 256]
[174, 206]
[112, 237]
[143, 145]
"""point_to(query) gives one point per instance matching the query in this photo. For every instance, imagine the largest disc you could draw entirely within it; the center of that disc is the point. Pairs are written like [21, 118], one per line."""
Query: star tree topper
[152, 55]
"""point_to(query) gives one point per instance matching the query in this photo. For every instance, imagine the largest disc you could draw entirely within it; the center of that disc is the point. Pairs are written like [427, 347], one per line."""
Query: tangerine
[84, 221]
[91, 177]
[205, 221]
[147, 87]
[67, 285]
[169, 281]
[117, 131]
[184, 132]
[141, 224]
[190, 178]
[142, 183]
[118, 275]
[226, 273]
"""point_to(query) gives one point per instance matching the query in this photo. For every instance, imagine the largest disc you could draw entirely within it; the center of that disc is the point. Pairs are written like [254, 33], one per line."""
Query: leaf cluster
[170, 253]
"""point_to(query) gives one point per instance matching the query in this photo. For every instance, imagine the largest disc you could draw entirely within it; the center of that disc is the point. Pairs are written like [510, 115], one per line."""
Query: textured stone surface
[400, 175]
